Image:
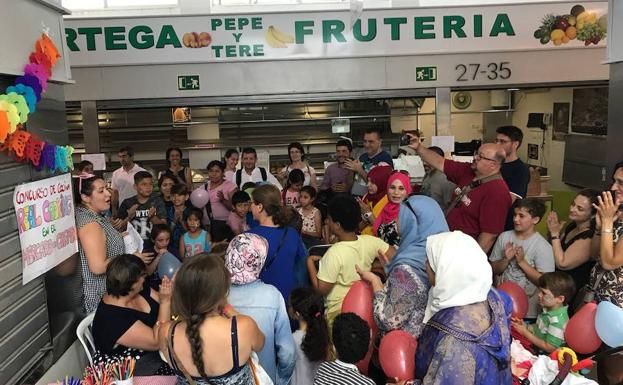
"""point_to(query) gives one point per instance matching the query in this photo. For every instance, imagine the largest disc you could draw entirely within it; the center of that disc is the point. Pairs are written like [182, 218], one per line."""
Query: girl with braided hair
[208, 327]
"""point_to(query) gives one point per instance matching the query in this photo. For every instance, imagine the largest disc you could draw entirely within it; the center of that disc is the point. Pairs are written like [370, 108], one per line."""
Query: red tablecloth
[155, 380]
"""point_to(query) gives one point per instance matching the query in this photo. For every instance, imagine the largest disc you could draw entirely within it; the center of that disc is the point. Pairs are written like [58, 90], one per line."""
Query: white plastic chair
[84, 333]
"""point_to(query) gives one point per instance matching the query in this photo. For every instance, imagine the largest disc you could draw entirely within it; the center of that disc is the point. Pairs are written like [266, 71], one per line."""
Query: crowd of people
[254, 284]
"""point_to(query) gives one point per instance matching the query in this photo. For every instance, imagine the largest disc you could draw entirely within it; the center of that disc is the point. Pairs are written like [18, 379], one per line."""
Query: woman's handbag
[586, 294]
[259, 374]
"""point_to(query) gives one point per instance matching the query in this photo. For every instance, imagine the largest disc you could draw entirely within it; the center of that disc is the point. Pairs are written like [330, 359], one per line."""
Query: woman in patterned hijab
[245, 258]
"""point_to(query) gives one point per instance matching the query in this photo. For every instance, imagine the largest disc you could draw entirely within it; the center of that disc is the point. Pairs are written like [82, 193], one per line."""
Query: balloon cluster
[584, 332]
[20, 100]
[397, 348]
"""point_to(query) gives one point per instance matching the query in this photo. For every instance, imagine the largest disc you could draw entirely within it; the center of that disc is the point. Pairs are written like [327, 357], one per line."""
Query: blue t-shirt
[368, 162]
[282, 270]
[251, 222]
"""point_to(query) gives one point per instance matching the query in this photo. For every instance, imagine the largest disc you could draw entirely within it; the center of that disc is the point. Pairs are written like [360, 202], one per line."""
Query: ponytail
[270, 198]
[310, 305]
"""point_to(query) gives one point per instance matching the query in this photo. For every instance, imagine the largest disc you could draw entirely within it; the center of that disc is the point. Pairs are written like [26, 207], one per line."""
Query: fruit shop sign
[44, 212]
[316, 35]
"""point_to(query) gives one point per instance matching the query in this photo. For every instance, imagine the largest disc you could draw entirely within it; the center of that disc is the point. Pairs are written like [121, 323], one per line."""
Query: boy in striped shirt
[548, 334]
[351, 338]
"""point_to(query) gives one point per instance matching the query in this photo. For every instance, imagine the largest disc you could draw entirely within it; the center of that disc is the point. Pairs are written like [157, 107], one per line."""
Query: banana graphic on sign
[277, 39]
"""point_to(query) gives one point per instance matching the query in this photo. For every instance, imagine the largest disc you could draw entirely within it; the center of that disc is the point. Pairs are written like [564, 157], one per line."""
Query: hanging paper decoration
[5, 126]
[26, 92]
[34, 148]
[46, 46]
[12, 114]
[32, 82]
[48, 157]
[41, 58]
[20, 100]
[40, 72]
[17, 143]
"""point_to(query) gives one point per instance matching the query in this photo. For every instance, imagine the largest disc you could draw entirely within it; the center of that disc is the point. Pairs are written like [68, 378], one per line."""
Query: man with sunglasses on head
[482, 199]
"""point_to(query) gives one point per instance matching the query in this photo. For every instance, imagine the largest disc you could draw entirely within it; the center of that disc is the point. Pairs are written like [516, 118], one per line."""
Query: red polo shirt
[484, 208]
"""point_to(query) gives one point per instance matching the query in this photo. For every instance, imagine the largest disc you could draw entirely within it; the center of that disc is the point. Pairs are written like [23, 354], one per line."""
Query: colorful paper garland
[20, 100]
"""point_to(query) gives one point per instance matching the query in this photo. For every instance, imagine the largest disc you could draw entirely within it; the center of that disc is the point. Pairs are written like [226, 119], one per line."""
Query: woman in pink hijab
[398, 189]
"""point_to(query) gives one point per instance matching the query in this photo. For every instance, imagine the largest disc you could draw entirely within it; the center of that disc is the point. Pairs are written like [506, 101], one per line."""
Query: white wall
[465, 124]
[552, 155]
[21, 24]
[361, 75]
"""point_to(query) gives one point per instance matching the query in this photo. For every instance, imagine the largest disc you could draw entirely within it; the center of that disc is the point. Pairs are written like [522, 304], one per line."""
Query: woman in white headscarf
[245, 258]
[466, 339]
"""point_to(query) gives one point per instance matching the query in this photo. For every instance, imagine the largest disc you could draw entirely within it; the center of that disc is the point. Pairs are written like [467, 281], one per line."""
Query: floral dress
[402, 302]
[610, 287]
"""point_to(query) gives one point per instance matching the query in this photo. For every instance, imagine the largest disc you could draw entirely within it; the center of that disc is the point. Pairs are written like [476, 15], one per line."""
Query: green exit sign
[425, 74]
[187, 82]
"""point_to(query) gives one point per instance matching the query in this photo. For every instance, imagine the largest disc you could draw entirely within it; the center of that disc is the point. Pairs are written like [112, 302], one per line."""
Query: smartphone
[405, 139]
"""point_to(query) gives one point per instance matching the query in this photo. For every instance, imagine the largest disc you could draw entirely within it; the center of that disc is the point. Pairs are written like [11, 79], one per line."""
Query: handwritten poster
[45, 220]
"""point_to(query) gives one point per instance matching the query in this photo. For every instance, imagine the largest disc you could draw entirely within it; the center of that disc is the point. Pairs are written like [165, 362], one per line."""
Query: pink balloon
[199, 198]
[397, 355]
[358, 300]
[580, 333]
[519, 297]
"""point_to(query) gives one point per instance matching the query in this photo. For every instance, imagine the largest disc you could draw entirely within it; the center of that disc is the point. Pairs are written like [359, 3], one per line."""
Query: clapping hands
[514, 252]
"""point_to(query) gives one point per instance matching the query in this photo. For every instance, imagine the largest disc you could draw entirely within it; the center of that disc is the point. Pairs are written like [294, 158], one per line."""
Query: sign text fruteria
[310, 35]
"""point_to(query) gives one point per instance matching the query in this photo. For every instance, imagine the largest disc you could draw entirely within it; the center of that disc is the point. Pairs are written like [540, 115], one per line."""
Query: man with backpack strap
[250, 172]
[482, 198]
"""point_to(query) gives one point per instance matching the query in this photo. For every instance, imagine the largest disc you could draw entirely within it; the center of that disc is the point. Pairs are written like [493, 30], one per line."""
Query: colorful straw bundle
[123, 369]
[69, 381]
[97, 375]
[105, 374]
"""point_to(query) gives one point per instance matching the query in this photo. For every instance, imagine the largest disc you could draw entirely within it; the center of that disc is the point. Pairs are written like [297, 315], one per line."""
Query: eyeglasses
[479, 156]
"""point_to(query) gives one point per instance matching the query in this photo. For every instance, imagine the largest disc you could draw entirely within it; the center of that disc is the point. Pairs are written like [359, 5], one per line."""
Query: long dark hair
[268, 196]
[310, 306]
[591, 195]
[201, 286]
[170, 150]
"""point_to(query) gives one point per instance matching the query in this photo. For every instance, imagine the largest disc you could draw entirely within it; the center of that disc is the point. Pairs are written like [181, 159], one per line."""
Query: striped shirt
[550, 326]
[340, 373]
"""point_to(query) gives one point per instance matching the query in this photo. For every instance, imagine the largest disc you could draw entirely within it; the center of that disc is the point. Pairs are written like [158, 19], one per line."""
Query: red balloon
[358, 300]
[397, 355]
[580, 333]
[519, 297]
